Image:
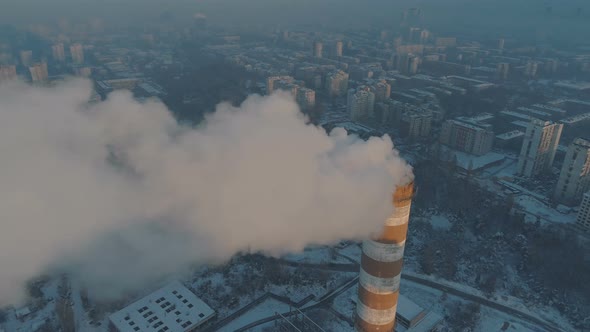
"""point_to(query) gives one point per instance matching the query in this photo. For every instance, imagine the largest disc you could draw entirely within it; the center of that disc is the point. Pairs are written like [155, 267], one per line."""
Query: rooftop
[582, 142]
[571, 85]
[510, 135]
[171, 308]
[576, 118]
[516, 115]
[407, 309]
[522, 124]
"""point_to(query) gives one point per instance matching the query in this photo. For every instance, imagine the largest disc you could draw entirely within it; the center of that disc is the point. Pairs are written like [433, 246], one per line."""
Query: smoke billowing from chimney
[119, 194]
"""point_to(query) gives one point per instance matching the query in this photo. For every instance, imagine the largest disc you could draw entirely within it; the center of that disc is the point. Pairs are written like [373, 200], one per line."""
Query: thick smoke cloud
[119, 194]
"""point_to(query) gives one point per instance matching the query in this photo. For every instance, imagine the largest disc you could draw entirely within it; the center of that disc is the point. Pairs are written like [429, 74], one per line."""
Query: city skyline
[294, 165]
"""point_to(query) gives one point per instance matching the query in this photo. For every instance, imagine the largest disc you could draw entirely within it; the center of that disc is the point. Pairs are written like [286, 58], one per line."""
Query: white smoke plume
[118, 193]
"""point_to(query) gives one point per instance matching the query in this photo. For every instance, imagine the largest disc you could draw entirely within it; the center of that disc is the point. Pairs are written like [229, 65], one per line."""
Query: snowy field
[265, 309]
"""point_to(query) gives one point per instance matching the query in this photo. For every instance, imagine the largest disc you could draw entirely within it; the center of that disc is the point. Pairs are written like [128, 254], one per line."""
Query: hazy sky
[454, 15]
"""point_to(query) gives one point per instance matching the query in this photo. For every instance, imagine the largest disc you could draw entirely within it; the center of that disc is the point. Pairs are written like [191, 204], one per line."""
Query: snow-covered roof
[516, 115]
[172, 308]
[510, 135]
[407, 308]
[427, 324]
[522, 124]
[576, 118]
[572, 85]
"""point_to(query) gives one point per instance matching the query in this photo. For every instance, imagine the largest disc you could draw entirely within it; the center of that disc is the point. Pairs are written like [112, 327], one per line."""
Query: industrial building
[381, 264]
[172, 308]
[574, 179]
[538, 148]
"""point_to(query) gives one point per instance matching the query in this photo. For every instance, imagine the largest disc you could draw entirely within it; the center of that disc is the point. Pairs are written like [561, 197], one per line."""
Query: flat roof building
[172, 308]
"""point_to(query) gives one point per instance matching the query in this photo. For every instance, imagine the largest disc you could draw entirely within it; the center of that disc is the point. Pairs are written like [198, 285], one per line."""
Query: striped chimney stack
[381, 265]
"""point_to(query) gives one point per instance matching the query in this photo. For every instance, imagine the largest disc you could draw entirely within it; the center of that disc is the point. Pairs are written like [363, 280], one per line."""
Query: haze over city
[294, 165]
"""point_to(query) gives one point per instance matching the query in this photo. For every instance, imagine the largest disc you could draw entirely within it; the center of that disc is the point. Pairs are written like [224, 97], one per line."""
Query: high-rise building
[77, 52]
[530, 69]
[407, 63]
[337, 83]
[502, 70]
[414, 34]
[416, 124]
[381, 265]
[538, 148]
[305, 98]
[26, 58]
[339, 47]
[273, 82]
[318, 49]
[501, 44]
[583, 219]
[574, 179]
[58, 52]
[83, 71]
[550, 66]
[39, 72]
[285, 35]
[382, 91]
[7, 72]
[424, 36]
[360, 103]
[467, 136]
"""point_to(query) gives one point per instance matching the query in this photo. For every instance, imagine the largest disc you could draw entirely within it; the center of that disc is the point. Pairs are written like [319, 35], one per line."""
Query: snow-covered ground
[345, 303]
[352, 252]
[545, 313]
[493, 320]
[534, 209]
[440, 222]
[38, 317]
[265, 309]
[81, 316]
[223, 288]
[489, 319]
